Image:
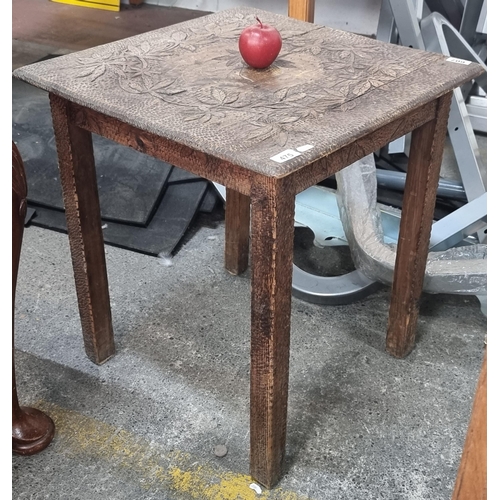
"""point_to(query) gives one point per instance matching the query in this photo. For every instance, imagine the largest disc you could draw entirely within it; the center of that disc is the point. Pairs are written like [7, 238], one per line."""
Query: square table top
[188, 83]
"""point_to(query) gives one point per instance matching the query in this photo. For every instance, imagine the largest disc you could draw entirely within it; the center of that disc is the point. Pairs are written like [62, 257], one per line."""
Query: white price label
[286, 155]
[457, 60]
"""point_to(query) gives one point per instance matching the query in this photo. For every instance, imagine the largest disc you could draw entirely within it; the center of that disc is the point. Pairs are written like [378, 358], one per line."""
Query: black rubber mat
[210, 200]
[146, 205]
[179, 175]
[171, 220]
[131, 184]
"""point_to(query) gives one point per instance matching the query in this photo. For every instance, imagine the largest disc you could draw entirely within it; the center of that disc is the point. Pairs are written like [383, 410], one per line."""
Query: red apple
[259, 45]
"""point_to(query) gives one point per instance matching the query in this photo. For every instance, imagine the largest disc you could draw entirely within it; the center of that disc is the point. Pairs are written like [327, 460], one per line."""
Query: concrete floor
[362, 425]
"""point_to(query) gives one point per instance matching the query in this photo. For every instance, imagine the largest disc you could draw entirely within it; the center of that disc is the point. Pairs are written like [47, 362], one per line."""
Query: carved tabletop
[188, 83]
[184, 95]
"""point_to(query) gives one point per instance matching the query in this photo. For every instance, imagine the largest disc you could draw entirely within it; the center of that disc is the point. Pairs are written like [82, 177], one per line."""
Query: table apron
[327, 166]
[232, 175]
[205, 165]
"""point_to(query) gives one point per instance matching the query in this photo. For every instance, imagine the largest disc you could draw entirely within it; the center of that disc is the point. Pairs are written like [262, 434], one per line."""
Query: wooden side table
[183, 94]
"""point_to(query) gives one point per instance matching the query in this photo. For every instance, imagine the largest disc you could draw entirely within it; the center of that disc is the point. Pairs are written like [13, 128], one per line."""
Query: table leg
[471, 480]
[32, 430]
[81, 202]
[301, 9]
[237, 231]
[272, 257]
[426, 153]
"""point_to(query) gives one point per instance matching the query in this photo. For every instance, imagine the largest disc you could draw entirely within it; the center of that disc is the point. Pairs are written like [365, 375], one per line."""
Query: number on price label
[286, 155]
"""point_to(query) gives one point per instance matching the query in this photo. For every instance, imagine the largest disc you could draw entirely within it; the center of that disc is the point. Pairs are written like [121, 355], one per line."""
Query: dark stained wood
[205, 165]
[237, 231]
[273, 205]
[471, 481]
[424, 163]
[301, 9]
[183, 94]
[329, 165]
[32, 430]
[83, 216]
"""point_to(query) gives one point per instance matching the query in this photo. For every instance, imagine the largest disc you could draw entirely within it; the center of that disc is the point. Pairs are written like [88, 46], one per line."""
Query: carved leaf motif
[144, 63]
[168, 46]
[281, 94]
[210, 27]
[335, 94]
[162, 85]
[288, 119]
[197, 30]
[206, 99]
[282, 138]
[219, 95]
[309, 113]
[233, 61]
[179, 36]
[89, 72]
[212, 97]
[329, 102]
[118, 71]
[362, 54]
[205, 118]
[161, 93]
[389, 72]
[287, 95]
[361, 88]
[344, 90]
[216, 97]
[148, 81]
[131, 86]
[134, 50]
[164, 95]
[231, 98]
[377, 83]
[296, 97]
[262, 133]
[84, 61]
[350, 59]
[347, 106]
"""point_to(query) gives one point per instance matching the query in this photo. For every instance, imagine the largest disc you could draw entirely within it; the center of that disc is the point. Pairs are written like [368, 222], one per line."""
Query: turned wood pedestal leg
[32, 430]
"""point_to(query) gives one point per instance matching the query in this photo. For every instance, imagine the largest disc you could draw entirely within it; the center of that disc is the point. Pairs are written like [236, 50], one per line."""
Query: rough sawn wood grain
[183, 94]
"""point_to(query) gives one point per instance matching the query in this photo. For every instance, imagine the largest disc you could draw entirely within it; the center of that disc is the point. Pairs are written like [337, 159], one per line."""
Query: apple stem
[259, 21]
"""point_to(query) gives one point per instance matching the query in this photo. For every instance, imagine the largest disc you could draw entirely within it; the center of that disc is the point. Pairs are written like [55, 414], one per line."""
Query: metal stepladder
[403, 21]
